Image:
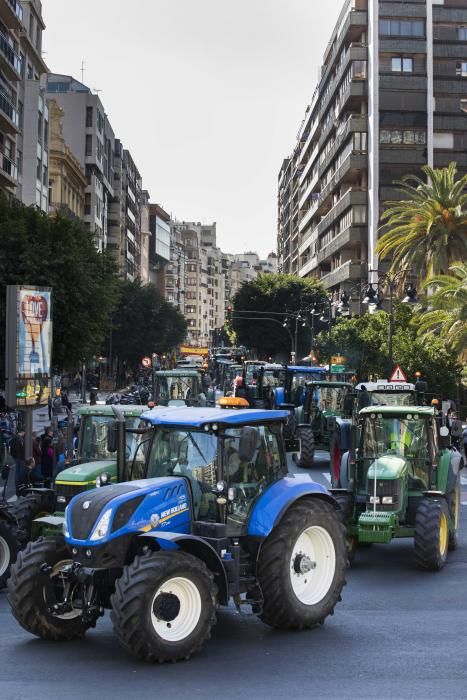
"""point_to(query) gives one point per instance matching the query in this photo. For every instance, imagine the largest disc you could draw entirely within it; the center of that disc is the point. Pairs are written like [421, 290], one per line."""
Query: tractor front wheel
[431, 534]
[9, 546]
[306, 456]
[301, 567]
[33, 594]
[164, 606]
[290, 427]
[28, 508]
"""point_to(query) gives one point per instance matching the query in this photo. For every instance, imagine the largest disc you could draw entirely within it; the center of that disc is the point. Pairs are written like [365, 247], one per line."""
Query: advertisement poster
[29, 345]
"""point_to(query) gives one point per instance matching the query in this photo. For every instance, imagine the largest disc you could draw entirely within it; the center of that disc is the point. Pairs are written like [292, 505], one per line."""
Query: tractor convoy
[166, 514]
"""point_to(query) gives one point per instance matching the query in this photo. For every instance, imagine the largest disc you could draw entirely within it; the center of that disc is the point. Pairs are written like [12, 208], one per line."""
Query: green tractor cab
[402, 479]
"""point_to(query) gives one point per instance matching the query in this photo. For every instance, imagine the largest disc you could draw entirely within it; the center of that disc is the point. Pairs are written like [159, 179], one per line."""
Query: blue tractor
[212, 517]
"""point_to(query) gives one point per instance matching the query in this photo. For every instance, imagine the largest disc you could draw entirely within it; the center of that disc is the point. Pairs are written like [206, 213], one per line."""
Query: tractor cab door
[251, 461]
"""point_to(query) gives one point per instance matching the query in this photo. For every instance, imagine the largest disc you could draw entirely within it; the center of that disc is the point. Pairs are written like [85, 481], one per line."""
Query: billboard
[28, 345]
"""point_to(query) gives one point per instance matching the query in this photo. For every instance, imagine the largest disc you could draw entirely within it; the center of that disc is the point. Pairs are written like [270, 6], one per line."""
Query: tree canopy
[59, 253]
[426, 230]
[144, 322]
[273, 294]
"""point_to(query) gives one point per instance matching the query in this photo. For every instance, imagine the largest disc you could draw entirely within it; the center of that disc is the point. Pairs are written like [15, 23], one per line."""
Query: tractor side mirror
[248, 444]
[331, 424]
[112, 437]
[444, 437]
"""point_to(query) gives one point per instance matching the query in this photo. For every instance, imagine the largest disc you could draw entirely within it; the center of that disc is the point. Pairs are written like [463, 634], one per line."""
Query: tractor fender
[454, 468]
[279, 396]
[449, 467]
[286, 407]
[47, 522]
[198, 548]
[344, 433]
[277, 499]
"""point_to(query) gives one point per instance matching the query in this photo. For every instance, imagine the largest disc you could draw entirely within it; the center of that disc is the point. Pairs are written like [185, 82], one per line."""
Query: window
[407, 137]
[359, 214]
[45, 175]
[89, 144]
[31, 25]
[20, 114]
[23, 64]
[396, 27]
[39, 171]
[29, 73]
[461, 70]
[462, 33]
[87, 204]
[19, 161]
[359, 69]
[88, 116]
[39, 127]
[402, 64]
[359, 141]
[46, 134]
[443, 140]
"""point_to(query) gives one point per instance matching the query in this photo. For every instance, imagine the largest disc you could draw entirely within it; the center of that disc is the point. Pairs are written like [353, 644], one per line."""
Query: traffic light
[229, 312]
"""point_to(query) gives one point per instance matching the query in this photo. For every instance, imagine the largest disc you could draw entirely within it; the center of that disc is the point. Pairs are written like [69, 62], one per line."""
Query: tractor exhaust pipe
[121, 443]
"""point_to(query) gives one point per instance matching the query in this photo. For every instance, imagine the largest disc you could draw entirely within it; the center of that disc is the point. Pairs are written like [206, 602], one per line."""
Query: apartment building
[89, 135]
[160, 257]
[391, 97]
[175, 270]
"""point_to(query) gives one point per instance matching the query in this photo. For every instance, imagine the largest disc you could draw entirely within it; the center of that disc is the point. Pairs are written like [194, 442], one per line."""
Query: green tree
[59, 253]
[364, 341]
[144, 322]
[446, 315]
[427, 230]
[271, 294]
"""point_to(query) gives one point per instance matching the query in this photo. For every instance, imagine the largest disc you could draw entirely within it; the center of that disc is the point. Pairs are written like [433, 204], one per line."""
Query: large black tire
[296, 597]
[431, 534]
[345, 501]
[306, 456]
[28, 508]
[146, 618]
[290, 427]
[454, 502]
[9, 546]
[31, 593]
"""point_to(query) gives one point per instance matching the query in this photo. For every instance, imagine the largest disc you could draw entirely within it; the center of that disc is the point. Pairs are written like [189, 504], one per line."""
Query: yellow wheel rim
[443, 534]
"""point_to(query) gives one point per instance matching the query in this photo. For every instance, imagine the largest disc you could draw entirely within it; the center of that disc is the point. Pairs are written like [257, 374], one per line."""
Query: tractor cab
[179, 387]
[386, 393]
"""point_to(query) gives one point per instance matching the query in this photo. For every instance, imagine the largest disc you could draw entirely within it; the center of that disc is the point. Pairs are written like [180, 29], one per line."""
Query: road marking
[327, 476]
[464, 480]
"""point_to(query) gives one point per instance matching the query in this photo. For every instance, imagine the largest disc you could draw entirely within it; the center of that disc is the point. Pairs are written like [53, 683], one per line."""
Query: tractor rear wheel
[28, 508]
[301, 566]
[431, 534]
[454, 502]
[164, 606]
[32, 594]
[306, 456]
[9, 546]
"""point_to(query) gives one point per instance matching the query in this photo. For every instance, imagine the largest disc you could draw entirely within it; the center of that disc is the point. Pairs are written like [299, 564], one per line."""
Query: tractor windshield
[391, 398]
[93, 438]
[177, 388]
[328, 399]
[406, 437]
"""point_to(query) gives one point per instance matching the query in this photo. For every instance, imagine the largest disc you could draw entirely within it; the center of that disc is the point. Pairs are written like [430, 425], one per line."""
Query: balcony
[8, 171]
[310, 266]
[307, 216]
[9, 118]
[347, 271]
[10, 62]
[354, 93]
[11, 14]
[348, 238]
[350, 198]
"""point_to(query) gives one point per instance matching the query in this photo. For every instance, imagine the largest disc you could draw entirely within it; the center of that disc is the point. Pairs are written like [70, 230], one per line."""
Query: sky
[207, 95]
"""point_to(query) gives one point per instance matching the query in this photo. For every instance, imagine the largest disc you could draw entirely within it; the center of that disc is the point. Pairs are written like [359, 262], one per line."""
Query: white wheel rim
[312, 565]
[180, 602]
[5, 555]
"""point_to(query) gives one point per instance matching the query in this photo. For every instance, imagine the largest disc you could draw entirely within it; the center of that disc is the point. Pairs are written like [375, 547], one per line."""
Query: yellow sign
[188, 350]
[339, 360]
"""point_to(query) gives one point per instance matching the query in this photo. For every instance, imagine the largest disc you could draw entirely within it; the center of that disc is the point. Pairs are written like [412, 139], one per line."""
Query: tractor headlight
[102, 527]
[387, 500]
[102, 480]
[374, 499]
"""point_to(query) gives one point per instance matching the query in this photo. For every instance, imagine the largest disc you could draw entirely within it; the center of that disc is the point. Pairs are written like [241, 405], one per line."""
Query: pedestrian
[66, 401]
[49, 406]
[37, 454]
[93, 398]
[47, 456]
[26, 476]
[77, 384]
[17, 451]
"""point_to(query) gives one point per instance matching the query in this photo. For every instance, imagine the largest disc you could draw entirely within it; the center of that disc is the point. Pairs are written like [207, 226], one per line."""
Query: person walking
[47, 454]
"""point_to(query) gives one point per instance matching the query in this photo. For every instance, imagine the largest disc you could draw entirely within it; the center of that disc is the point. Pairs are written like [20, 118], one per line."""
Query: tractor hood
[100, 515]
[87, 472]
[388, 467]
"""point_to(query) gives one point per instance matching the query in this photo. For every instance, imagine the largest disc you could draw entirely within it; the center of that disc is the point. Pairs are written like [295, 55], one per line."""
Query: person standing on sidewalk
[47, 455]
[18, 451]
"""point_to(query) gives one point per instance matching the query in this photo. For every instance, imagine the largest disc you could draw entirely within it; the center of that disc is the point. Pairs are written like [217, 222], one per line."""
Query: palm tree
[427, 230]
[447, 312]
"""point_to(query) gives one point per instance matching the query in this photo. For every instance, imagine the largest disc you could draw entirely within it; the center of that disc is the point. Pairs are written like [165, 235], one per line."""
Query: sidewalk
[41, 415]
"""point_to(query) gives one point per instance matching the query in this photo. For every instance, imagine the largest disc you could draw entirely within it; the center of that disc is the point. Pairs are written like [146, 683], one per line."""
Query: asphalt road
[398, 633]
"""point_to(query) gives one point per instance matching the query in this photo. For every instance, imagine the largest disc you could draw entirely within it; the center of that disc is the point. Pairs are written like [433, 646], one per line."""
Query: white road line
[327, 476]
[464, 480]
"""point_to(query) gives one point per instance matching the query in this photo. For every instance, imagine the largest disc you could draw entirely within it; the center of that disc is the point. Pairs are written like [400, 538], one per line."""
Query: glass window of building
[462, 33]
[461, 69]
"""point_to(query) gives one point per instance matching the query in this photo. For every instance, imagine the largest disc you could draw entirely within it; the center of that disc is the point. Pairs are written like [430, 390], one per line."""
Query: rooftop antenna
[83, 70]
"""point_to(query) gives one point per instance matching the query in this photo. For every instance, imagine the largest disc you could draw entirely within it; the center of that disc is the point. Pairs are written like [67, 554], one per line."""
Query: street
[398, 633]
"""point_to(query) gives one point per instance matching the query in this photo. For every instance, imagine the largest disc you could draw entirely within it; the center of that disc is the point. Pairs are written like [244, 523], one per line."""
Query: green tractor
[402, 479]
[323, 421]
[38, 512]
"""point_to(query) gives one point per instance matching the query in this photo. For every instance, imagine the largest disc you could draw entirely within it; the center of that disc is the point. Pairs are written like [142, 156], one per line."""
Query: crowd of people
[48, 457]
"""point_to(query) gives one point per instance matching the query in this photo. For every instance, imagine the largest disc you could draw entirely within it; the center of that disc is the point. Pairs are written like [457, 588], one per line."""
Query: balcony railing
[8, 108]
[9, 53]
[8, 166]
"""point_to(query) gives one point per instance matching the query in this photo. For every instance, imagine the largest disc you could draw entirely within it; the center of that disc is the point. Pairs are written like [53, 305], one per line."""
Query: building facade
[390, 99]
[89, 135]
[159, 253]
